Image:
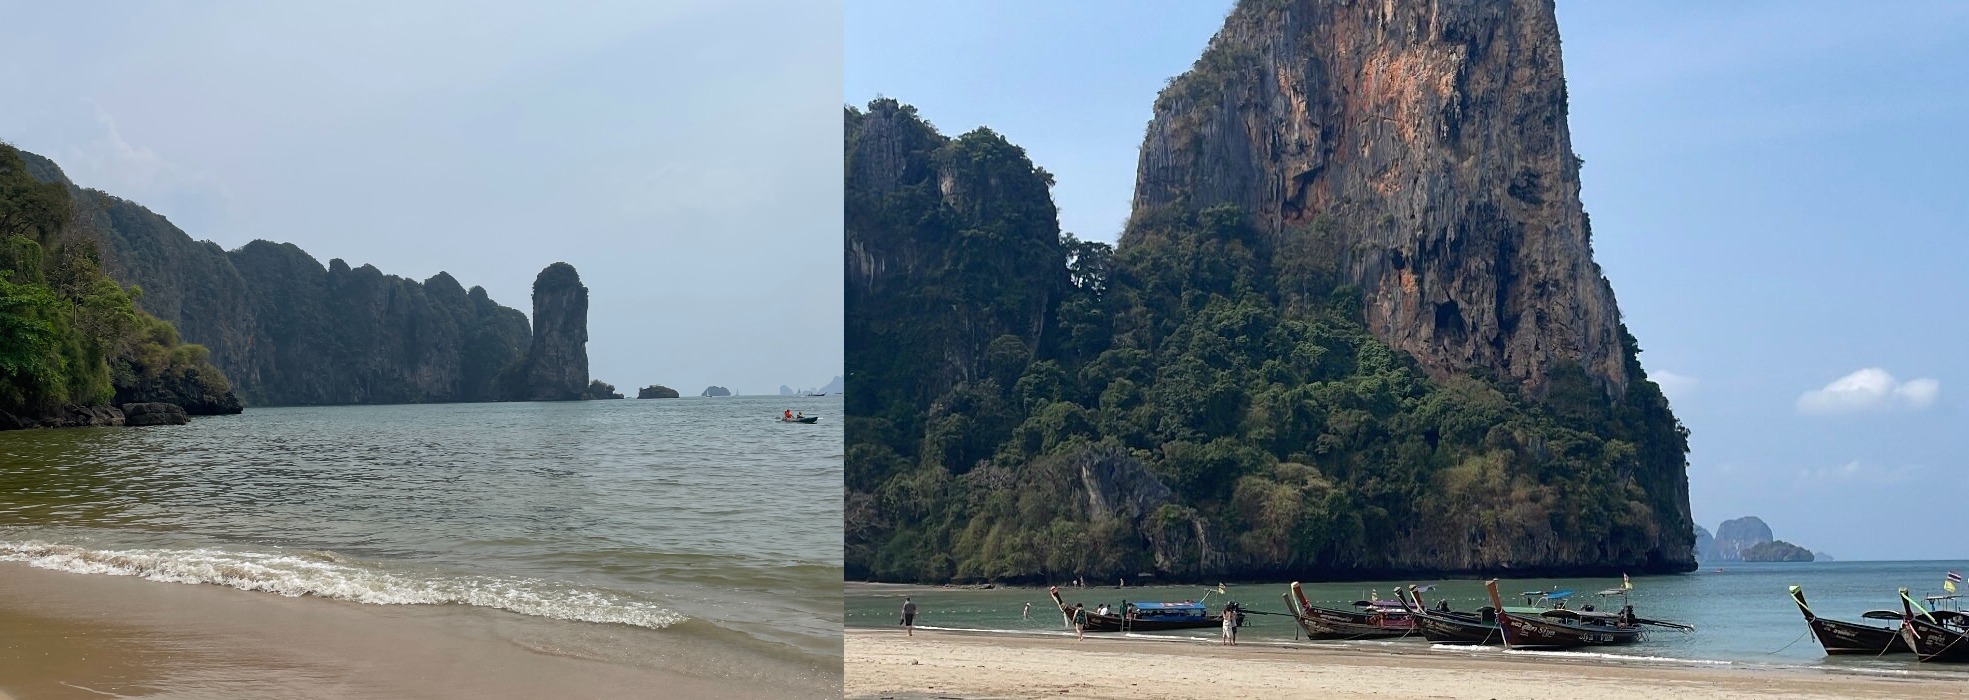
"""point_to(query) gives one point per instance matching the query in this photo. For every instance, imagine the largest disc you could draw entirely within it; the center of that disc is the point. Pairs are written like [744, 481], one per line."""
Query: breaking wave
[326, 575]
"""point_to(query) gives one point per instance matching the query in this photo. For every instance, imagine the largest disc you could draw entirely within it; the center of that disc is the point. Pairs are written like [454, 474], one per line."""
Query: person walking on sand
[909, 616]
[1230, 624]
[1079, 622]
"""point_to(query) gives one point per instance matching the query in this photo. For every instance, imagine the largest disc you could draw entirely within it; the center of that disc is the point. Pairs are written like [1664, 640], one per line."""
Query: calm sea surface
[1743, 614]
[684, 518]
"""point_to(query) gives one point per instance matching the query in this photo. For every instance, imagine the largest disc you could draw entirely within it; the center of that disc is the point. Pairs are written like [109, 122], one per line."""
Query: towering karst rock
[556, 364]
[1352, 329]
[1415, 149]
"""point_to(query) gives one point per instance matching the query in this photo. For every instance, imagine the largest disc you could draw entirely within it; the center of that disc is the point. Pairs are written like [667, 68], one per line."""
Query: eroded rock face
[287, 330]
[1418, 150]
[556, 366]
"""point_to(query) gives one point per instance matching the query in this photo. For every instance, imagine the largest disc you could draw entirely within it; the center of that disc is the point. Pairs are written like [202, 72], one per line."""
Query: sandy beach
[940, 664]
[65, 635]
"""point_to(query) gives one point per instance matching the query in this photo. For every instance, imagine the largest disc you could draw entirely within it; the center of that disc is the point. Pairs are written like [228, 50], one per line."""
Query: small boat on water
[1560, 628]
[1939, 635]
[1375, 619]
[1852, 638]
[1143, 617]
[800, 419]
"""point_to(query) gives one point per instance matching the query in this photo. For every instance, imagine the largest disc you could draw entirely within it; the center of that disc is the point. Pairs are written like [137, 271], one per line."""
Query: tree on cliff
[70, 335]
[1028, 406]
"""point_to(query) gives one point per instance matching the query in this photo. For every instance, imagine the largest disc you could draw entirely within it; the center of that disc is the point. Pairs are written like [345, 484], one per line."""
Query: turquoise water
[667, 520]
[1743, 613]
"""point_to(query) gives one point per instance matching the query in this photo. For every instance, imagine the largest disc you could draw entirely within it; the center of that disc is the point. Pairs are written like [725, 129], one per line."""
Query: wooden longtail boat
[1852, 638]
[1560, 628]
[1942, 635]
[1379, 619]
[1444, 626]
[1144, 617]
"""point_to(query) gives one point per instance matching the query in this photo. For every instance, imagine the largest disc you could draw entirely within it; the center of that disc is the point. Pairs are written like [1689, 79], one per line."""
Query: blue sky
[683, 155]
[1776, 191]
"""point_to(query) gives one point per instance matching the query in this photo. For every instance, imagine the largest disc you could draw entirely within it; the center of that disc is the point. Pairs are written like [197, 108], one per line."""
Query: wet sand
[65, 635]
[940, 664]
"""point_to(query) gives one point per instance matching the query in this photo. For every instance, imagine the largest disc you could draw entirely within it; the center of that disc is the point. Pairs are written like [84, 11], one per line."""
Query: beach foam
[327, 575]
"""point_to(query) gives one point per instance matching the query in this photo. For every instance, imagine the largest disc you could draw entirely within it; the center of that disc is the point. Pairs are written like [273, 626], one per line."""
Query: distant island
[656, 391]
[1747, 539]
[1776, 550]
[716, 391]
[600, 390]
[832, 387]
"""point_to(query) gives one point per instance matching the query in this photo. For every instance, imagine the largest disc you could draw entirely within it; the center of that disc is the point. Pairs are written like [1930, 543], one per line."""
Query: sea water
[1743, 613]
[674, 518]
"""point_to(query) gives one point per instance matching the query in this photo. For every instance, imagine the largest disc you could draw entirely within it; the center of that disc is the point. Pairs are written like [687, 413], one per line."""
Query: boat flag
[1949, 583]
[1625, 583]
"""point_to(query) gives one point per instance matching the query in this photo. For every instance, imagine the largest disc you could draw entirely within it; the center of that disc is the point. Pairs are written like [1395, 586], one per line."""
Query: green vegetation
[1026, 406]
[70, 335]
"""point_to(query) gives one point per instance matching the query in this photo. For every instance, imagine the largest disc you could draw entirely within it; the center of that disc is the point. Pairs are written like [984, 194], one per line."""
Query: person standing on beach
[1230, 624]
[1079, 622]
[909, 616]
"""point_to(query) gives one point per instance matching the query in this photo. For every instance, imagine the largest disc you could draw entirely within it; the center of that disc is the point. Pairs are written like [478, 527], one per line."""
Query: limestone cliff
[1417, 150]
[556, 364]
[993, 205]
[287, 330]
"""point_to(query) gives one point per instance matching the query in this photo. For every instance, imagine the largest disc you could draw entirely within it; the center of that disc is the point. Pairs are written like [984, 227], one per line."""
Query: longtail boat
[1560, 628]
[1852, 638]
[1143, 617]
[1377, 619]
[1942, 635]
[1445, 626]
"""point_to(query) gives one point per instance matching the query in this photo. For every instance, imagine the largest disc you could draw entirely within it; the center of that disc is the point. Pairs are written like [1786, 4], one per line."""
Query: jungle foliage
[69, 334]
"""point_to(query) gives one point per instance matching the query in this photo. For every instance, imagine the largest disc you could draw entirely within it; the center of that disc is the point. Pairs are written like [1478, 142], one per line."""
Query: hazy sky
[1776, 190]
[684, 155]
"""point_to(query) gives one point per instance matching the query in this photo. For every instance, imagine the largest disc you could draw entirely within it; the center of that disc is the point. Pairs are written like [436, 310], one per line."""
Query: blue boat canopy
[1185, 605]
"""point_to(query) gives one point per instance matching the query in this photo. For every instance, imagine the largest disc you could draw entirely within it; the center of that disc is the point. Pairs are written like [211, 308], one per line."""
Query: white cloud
[1674, 386]
[1870, 389]
[1855, 470]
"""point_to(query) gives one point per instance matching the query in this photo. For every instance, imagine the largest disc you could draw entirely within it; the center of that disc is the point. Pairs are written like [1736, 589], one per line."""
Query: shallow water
[1743, 614]
[682, 517]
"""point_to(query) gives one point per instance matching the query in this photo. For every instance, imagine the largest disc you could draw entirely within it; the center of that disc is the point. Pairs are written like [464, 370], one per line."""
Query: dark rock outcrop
[1739, 535]
[198, 393]
[599, 390]
[1776, 550]
[716, 391]
[555, 367]
[1416, 150]
[287, 330]
[657, 391]
[139, 414]
[66, 417]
